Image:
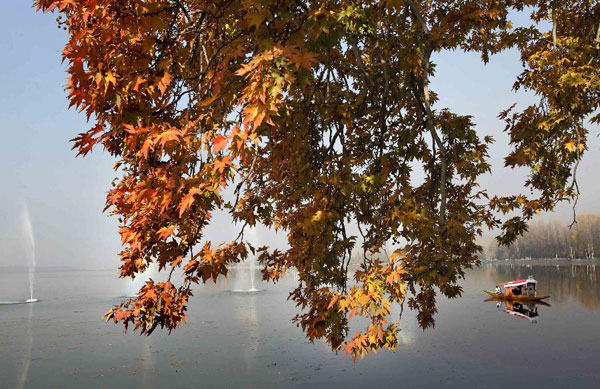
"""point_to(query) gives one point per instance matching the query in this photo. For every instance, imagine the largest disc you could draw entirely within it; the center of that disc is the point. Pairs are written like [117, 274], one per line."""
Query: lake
[248, 340]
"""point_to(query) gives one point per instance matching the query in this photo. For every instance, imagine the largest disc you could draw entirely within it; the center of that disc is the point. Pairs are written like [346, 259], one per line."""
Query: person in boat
[498, 290]
[517, 291]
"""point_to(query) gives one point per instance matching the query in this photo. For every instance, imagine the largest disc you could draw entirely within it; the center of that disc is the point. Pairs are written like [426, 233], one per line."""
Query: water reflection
[148, 363]
[27, 350]
[528, 311]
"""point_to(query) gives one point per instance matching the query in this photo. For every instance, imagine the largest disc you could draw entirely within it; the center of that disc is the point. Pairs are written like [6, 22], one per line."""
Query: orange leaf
[305, 60]
[164, 82]
[165, 232]
[219, 143]
[186, 202]
[138, 81]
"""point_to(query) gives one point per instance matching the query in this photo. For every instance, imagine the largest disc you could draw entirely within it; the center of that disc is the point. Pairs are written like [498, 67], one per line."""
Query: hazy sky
[65, 195]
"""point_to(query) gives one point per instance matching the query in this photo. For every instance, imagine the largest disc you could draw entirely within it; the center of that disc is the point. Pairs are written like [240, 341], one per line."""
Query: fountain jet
[30, 245]
[252, 238]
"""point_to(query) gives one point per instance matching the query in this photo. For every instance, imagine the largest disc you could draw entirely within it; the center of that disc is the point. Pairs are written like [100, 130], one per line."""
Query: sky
[64, 195]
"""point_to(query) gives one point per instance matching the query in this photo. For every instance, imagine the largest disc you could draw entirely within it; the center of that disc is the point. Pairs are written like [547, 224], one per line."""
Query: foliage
[318, 114]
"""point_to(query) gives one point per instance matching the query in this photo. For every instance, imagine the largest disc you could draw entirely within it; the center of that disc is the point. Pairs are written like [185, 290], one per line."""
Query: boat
[522, 291]
[521, 298]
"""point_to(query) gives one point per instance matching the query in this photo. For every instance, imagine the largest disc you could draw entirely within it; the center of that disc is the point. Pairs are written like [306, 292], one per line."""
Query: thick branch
[574, 184]
[417, 14]
[361, 65]
[429, 122]
[554, 33]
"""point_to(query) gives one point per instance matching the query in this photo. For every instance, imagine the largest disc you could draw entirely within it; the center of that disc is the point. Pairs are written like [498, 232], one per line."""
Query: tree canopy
[310, 117]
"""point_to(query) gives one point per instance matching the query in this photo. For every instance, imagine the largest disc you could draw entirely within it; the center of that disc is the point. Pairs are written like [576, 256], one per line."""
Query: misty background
[65, 195]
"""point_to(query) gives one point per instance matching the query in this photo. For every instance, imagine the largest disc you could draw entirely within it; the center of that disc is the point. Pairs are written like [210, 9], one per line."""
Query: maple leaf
[165, 232]
[65, 3]
[187, 201]
[305, 59]
[139, 80]
[219, 143]
[110, 79]
[570, 146]
[164, 82]
[172, 134]
[221, 164]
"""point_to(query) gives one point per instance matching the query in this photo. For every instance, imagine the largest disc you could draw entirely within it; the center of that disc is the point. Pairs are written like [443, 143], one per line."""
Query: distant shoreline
[543, 261]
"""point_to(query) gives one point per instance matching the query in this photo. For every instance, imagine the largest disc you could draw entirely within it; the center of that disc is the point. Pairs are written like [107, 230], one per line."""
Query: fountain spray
[30, 245]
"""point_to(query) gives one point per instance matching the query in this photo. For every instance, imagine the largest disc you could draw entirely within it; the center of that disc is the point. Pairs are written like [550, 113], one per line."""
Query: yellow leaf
[570, 146]
[110, 78]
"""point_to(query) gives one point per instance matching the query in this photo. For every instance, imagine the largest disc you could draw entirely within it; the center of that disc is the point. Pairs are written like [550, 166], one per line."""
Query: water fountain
[249, 278]
[30, 245]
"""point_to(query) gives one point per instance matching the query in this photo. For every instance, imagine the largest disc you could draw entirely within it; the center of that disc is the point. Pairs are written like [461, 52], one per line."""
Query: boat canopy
[510, 284]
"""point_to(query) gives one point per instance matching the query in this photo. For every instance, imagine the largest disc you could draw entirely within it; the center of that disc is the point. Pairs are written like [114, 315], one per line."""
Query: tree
[316, 115]
[578, 241]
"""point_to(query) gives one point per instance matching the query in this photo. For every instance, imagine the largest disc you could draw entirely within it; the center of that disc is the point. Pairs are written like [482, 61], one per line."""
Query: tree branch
[361, 65]
[574, 183]
[554, 33]
[429, 122]
[185, 12]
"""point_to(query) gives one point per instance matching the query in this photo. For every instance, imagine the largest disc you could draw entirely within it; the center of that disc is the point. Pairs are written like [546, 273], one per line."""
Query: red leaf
[219, 143]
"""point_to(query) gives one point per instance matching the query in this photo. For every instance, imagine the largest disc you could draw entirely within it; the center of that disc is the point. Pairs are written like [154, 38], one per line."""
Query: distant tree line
[552, 239]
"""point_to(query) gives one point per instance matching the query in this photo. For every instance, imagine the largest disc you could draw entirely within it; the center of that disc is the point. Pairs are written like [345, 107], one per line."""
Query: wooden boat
[522, 291]
[519, 298]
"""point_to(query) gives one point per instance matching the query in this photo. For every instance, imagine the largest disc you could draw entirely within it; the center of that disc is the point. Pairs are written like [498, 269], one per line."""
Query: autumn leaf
[222, 163]
[172, 134]
[305, 59]
[164, 82]
[139, 80]
[571, 146]
[165, 232]
[219, 143]
[185, 203]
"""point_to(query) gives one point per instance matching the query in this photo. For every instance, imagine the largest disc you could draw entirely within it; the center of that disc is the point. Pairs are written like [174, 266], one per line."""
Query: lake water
[247, 340]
